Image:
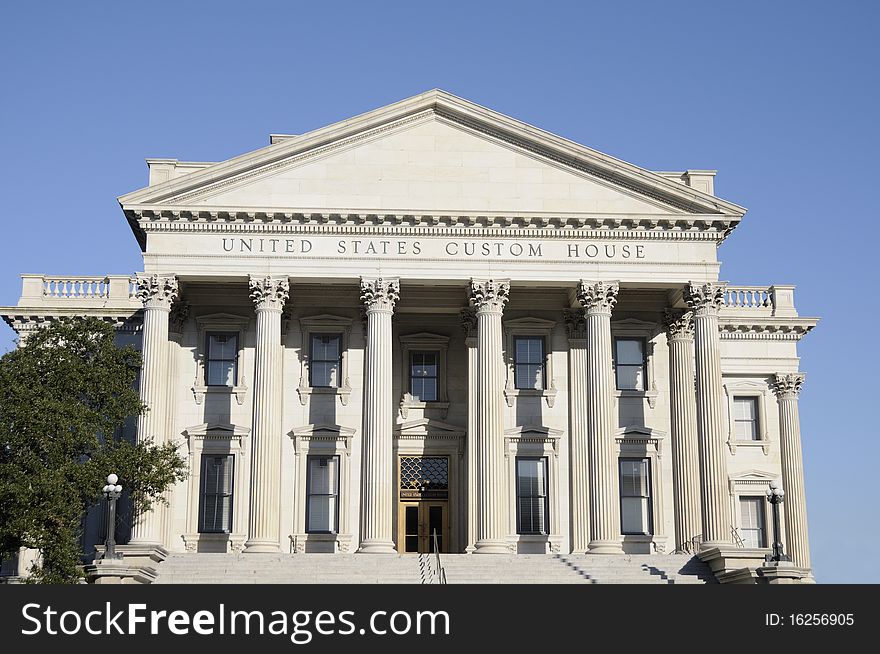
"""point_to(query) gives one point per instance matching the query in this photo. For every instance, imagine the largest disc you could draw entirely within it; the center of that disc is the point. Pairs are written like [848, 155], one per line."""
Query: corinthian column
[598, 299]
[579, 365]
[269, 295]
[788, 387]
[488, 297]
[705, 300]
[157, 292]
[685, 449]
[377, 492]
[469, 325]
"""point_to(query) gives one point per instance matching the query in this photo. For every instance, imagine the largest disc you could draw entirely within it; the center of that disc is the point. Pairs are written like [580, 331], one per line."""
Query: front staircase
[421, 569]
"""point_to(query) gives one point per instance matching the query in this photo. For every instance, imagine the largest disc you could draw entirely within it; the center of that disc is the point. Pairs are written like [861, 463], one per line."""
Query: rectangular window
[215, 507]
[322, 504]
[529, 362]
[325, 362]
[221, 360]
[745, 418]
[751, 511]
[635, 497]
[630, 366]
[532, 499]
[423, 376]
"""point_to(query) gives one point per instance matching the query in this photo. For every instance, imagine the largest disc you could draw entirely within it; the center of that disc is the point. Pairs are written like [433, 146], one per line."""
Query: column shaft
[377, 493]
[787, 386]
[578, 362]
[269, 295]
[488, 298]
[598, 300]
[685, 449]
[705, 300]
[157, 292]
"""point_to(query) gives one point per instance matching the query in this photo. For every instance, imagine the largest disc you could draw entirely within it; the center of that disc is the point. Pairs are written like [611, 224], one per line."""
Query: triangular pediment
[432, 153]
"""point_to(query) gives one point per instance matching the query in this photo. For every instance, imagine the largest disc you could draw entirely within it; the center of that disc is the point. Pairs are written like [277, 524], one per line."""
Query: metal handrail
[441, 571]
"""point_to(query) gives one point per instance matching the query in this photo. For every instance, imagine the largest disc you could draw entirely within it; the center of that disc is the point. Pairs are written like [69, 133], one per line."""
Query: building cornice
[744, 328]
[703, 227]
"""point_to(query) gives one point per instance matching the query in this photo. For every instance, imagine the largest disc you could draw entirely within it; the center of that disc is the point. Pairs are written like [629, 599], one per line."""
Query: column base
[491, 547]
[261, 547]
[377, 547]
[605, 547]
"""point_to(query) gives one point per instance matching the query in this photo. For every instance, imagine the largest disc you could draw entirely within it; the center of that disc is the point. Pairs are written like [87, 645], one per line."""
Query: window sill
[342, 392]
[408, 403]
[340, 543]
[214, 541]
[549, 394]
[651, 396]
[535, 543]
[763, 444]
[199, 392]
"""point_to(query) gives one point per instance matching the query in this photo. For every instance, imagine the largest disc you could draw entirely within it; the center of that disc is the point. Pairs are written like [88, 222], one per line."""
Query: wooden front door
[418, 522]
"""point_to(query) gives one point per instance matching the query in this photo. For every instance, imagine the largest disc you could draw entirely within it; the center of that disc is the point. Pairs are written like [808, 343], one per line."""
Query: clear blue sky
[779, 97]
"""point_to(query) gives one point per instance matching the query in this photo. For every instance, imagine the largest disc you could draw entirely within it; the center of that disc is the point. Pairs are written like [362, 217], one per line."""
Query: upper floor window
[221, 362]
[630, 364]
[635, 496]
[752, 521]
[424, 375]
[325, 360]
[529, 362]
[745, 418]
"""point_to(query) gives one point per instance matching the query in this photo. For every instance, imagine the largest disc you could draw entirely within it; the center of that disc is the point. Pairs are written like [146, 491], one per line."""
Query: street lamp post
[112, 491]
[775, 496]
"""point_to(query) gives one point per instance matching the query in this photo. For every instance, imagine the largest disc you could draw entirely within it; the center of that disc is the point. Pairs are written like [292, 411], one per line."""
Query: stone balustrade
[62, 290]
[774, 300]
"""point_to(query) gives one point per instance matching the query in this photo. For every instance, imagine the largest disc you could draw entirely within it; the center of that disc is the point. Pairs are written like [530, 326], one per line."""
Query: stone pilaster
[469, 325]
[705, 300]
[685, 449]
[488, 297]
[578, 362]
[157, 292]
[377, 491]
[269, 295]
[598, 300]
[788, 387]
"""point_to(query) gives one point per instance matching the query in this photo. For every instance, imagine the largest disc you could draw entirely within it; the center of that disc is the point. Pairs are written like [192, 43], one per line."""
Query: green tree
[64, 399]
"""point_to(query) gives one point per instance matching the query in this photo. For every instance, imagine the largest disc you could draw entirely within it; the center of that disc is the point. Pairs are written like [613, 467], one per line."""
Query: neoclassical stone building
[432, 319]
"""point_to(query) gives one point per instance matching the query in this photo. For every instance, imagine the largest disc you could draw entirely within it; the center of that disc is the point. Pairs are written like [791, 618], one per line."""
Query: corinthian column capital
[598, 297]
[489, 295]
[679, 324]
[269, 292]
[704, 298]
[156, 291]
[575, 323]
[788, 384]
[379, 294]
[468, 318]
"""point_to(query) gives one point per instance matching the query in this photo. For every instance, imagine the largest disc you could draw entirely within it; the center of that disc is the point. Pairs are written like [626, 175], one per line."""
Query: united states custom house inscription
[433, 248]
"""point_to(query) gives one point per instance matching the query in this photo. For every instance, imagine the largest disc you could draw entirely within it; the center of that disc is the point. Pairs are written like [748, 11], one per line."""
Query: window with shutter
[745, 418]
[532, 498]
[752, 521]
[635, 497]
[215, 507]
[322, 503]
